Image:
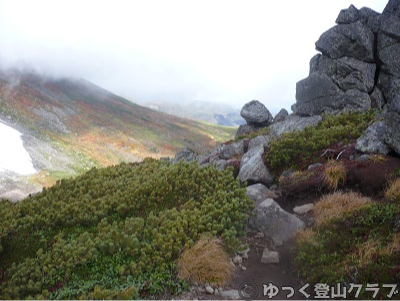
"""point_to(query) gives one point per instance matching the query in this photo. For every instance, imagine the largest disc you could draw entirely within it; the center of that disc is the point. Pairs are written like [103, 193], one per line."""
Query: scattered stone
[243, 268]
[363, 158]
[237, 259]
[230, 295]
[270, 256]
[278, 243]
[216, 292]
[259, 192]
[315, 165]
[209, 289]
[303, 209]
[259, 235]
[245, 256]
[255, 113]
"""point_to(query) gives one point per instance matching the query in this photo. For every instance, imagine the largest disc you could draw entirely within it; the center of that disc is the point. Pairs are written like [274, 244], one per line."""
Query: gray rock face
[392, 8]
[281, 116]
[272, 220]
[253, 169]
[230, 150]
[373, 139]
[293, 123]
[255, 113]
[349, 15]
[262, 140]
[392, 137]
[352, 40]
[245, 129]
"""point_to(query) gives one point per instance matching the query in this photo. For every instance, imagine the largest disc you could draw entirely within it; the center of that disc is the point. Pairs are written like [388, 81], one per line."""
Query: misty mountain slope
[69, 126]
[211, 112]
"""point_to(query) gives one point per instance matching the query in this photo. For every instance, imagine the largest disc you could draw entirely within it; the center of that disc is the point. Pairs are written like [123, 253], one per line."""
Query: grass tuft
[334, 174]
[206, 262]
[392, 193]
[337, 204]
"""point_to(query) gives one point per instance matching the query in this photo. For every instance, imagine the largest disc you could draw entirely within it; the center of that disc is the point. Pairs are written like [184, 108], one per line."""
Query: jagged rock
[253, 169]
[347, 73]
[230, 150]
[303, 209]
[270, 256]
[237, 259]
[392, 137]
[353, 40]
[293, 123]
[392, 8]
[281, 116]
[351, 100]
[349, 15]
[377, 98]
[258, 193]
[186, 155]
[245, 129]
[255, 113]
[373, 140]
[262, 140]
[273, 221]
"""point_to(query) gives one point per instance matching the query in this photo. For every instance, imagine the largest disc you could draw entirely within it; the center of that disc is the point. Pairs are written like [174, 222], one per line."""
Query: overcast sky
[223, 51]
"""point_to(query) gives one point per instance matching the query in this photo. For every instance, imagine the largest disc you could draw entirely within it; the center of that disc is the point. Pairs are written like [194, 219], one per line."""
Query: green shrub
[88, 237]
[299, 149]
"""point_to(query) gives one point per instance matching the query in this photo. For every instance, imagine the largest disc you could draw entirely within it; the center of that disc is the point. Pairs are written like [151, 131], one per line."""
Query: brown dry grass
[306, 236]
[206, 262]
[377, 158]
[337, 204]
[393, 246]
[392, 193]
[366, 251]
[335, 173]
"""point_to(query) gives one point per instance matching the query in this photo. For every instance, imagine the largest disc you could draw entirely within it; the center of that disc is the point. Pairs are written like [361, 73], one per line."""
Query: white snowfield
[13, 155]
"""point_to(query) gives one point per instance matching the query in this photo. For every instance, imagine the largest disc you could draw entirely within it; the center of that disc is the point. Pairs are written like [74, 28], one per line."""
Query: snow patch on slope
[13, 155]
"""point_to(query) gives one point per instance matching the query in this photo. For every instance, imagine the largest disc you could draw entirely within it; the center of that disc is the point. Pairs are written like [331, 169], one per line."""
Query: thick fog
[223, 51]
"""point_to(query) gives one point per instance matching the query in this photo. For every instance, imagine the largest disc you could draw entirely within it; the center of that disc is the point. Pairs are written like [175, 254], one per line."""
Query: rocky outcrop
[358, 68]
[281, 116]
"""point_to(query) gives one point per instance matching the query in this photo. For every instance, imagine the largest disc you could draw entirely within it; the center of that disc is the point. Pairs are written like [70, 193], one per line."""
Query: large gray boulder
[255, 113]
[252, 168]
[373, 140]
[353, 40]
[273, 221]
[186, 155]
